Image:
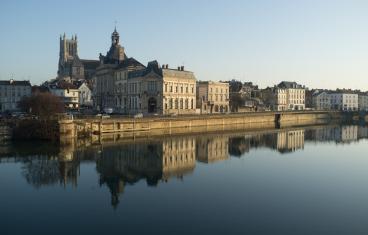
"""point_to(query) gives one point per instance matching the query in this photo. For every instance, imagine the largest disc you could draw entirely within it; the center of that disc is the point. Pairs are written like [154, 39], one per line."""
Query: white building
[337, 100]
[363, 102]
[344, 101]
[68, 92]
[85, 95]
[11, 92]
[289, 96]
[321, 100]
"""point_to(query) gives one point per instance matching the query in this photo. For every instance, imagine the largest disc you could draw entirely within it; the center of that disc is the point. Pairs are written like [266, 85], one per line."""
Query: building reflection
[290, 141]
[338, 134]
[158, 160]
[282, 141]
[153, 162]
[212, 149]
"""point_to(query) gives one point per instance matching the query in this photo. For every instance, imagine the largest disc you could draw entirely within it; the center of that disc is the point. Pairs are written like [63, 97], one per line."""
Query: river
[310, 180]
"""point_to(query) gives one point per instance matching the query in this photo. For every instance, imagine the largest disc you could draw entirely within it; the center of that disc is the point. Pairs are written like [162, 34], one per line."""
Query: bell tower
[68, 52]
[115, 38]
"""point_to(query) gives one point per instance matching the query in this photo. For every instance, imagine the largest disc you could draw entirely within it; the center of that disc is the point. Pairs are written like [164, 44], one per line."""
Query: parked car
[138, 115]
[108, 110]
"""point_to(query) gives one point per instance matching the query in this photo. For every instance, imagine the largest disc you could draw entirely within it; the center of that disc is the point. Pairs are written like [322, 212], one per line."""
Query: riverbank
[158, 126]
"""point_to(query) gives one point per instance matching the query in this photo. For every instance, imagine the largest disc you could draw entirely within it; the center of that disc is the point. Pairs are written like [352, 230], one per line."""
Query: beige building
[213, 97]
[285, 96]
[126, 86]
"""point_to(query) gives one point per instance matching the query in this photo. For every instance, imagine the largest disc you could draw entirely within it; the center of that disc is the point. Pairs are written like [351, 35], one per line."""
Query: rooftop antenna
[115, 22]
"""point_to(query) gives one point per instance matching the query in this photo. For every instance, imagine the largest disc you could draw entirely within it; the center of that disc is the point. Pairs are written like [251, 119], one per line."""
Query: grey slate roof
[90, 64]
[15, 83]
[285, 84]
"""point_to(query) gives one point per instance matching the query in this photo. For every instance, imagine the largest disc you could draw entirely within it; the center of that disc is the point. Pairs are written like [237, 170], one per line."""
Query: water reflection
[156, 161]
[153, 162]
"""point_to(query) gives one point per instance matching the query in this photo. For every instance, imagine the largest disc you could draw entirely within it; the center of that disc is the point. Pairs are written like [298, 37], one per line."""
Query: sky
[318, 43]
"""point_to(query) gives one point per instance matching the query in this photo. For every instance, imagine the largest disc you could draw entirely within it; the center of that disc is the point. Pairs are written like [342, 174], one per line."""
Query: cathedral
[70, 65]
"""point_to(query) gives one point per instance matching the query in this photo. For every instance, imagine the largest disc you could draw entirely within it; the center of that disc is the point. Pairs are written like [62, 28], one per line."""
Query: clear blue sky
[319, 43]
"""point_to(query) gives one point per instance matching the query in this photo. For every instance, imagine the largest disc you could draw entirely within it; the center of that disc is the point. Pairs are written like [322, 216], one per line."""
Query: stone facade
[85, 95]
[321, 101]
[344, 101]
[285, 96]
[127, 86]
[337, 100]
[213, 97]
[11, 92]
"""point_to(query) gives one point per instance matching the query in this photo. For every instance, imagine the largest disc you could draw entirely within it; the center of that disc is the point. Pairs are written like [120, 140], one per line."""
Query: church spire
[115, 37]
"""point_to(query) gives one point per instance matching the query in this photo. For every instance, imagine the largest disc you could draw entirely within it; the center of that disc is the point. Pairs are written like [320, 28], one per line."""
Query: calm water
[295, 181]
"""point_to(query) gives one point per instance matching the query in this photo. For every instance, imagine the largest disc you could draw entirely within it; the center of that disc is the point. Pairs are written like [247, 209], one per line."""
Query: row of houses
[165, 91]
[161, 90]
[74, 95]
[121, 84]
[345, 100]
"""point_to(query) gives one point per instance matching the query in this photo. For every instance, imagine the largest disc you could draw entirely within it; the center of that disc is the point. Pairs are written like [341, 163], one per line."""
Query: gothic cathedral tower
[68, 53]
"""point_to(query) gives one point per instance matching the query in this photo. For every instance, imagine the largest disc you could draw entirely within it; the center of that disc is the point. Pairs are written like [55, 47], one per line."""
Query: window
[151, 85]
[186, 89]
[165, 87]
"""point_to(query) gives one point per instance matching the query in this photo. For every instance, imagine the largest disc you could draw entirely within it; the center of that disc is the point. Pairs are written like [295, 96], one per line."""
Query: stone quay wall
[157, 126]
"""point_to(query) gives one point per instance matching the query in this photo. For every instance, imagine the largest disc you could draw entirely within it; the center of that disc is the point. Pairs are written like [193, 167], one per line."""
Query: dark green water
[295, 181]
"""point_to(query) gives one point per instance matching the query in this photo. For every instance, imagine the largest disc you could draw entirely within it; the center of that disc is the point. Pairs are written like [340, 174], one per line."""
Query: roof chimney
[182, 68]
[167, 66]
[163, 66]
[179, 68]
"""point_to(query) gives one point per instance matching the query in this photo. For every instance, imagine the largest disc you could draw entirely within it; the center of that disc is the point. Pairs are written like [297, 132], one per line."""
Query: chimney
[167, 66]
[179, 68]
[182, 68]
[163, 66]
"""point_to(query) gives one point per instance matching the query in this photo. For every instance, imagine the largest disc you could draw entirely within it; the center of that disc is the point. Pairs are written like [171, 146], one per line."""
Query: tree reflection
[41, 171]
